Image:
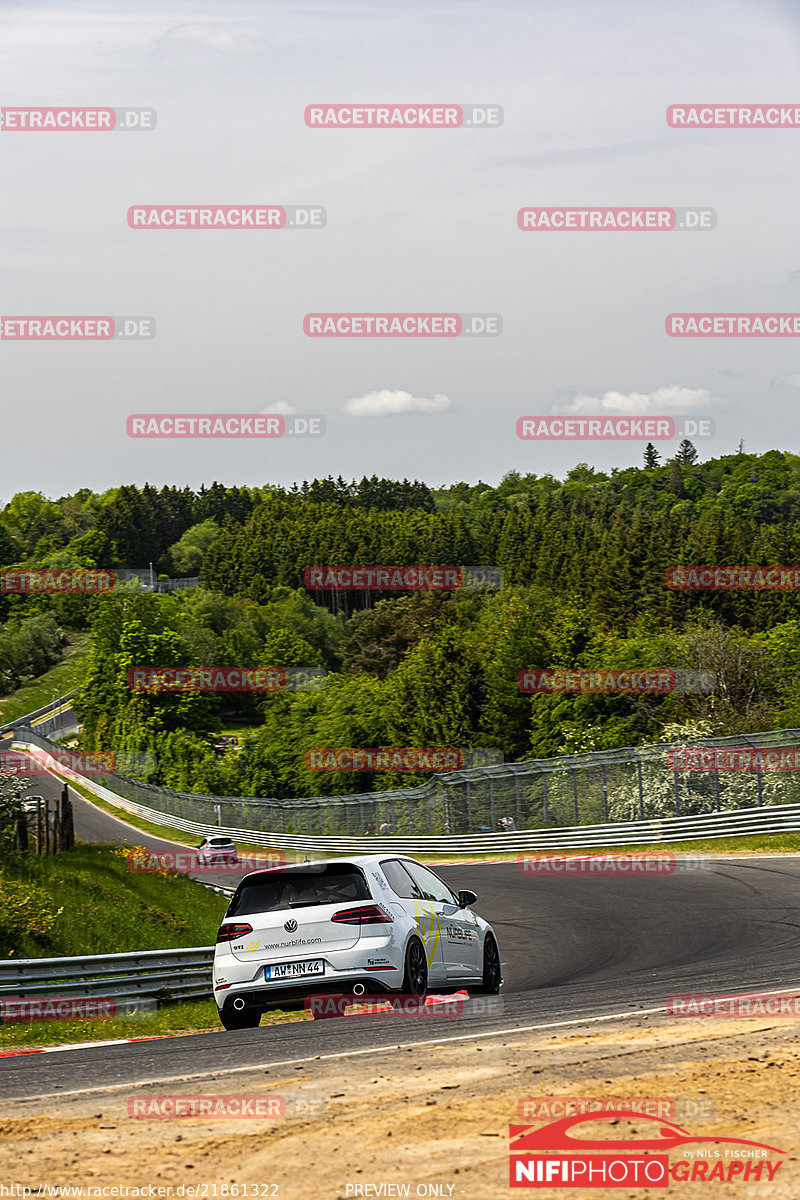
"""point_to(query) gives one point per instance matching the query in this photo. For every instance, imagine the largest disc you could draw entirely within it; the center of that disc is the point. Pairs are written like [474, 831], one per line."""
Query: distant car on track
[377, 923]
[216, 849]
[223, 744]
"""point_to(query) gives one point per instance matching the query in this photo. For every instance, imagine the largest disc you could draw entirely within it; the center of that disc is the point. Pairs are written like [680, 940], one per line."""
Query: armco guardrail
[769, 818]
[24, 721]
[160, 975]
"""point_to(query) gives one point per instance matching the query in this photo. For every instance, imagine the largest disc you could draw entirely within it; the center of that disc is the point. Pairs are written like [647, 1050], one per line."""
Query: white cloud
[388, 404]
[281, 406]
[205, 37]
[792, 381]
[664, 401]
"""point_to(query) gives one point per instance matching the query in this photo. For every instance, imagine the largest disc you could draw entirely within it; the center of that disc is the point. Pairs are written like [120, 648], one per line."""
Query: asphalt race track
[573, 947]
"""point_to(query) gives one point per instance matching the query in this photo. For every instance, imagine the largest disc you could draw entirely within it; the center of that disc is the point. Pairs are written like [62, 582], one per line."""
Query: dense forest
[583, 565]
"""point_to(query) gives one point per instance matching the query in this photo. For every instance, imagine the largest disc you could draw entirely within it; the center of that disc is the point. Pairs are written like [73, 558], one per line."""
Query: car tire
[492, 971]
[248, 1018]
[415, 977]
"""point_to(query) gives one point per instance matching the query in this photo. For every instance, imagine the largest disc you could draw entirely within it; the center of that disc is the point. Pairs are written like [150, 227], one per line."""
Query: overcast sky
[417, 221]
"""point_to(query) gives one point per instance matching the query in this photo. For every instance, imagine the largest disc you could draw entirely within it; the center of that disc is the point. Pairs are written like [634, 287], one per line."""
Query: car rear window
[334, 883]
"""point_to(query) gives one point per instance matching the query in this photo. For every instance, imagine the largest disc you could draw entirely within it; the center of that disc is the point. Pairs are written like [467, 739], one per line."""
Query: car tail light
[233, 929]
[364, 914]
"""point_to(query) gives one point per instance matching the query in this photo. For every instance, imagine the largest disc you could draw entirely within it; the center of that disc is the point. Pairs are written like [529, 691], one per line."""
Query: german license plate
[293, 970]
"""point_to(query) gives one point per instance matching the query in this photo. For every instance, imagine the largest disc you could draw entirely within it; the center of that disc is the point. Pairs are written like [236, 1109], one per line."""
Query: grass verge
[88, 901]
[67, 674]
[765, 843]
[171, 1020]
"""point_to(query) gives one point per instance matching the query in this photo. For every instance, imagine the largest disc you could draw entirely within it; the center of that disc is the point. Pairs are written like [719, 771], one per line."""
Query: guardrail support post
[716, 781]
[574, 772]
[677, 792]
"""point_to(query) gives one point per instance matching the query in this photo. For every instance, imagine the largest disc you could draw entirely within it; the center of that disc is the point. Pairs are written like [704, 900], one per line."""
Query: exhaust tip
[238, 1004]
[358, 989]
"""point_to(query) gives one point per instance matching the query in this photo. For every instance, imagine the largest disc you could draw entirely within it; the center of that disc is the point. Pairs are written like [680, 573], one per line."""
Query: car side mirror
[466, 898]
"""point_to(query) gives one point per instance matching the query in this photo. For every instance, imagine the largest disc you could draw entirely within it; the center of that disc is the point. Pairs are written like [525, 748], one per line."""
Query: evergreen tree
[675, 484]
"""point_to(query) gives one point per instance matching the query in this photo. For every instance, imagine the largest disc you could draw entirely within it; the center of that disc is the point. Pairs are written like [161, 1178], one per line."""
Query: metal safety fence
[647, 787]
[158, 976]
[52, 707]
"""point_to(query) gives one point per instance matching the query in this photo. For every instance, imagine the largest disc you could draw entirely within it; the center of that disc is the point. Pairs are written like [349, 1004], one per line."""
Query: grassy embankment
[67, 674]
[88, 900]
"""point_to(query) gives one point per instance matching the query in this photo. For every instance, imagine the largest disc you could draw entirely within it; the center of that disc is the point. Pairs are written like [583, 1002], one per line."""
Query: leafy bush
[26, 910]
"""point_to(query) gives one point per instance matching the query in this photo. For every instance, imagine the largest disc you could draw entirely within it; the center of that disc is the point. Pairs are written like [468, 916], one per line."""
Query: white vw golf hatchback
[368, 924]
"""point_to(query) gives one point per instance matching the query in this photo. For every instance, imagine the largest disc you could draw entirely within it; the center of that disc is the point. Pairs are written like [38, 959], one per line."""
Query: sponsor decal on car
[458, 933]
[291, 942]
[428, 927]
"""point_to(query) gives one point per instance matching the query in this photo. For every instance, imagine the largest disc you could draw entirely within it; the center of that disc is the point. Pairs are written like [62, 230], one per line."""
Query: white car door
[424, 912]
[459, 927]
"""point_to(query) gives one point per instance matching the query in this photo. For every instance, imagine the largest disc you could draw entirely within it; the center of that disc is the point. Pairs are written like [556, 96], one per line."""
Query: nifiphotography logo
[573, 1153]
